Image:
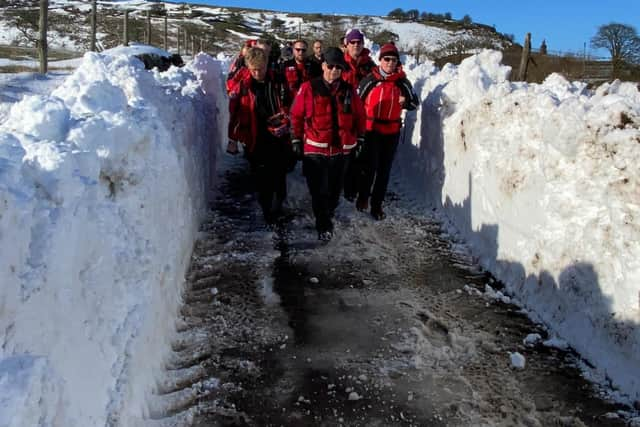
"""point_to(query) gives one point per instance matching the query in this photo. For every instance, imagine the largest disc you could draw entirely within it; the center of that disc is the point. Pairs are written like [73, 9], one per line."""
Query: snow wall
[103, 185]
[542, 182]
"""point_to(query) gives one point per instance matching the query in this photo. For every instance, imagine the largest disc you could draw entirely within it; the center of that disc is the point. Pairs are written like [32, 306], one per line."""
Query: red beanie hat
[389, 49]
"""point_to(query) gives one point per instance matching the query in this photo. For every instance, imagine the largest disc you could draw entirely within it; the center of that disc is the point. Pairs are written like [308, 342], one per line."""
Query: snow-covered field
[103, 183]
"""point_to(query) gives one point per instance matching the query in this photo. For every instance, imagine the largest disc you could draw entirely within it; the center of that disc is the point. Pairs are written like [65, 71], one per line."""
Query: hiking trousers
[376, 161]
[324, 175]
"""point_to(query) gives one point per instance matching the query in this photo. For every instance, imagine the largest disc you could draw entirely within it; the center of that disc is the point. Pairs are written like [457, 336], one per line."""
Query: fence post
[524, 60]
[94, 24]
[166, 33]
[125, 32]
[185, 40]
[178, 39]
[148, 39]
[42, 40]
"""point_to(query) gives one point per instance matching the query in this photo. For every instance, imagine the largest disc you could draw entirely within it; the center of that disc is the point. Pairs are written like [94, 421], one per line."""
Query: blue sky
[565, 24]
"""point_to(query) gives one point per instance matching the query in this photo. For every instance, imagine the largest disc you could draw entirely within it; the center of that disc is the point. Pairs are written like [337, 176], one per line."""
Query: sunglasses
[300, 49]
[390, 59]
[331, 67]
[355, 42]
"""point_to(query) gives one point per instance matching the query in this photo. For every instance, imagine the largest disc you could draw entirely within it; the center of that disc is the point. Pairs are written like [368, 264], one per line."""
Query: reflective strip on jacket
[312, 118]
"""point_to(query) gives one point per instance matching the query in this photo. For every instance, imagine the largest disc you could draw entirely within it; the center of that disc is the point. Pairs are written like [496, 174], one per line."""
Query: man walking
[327, 121]
[360, 65]
[300, 68]
[258, 106]
[317, 55]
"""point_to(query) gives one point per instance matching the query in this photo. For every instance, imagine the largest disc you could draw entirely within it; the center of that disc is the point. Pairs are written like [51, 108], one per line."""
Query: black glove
[296, 147]
[357, 151]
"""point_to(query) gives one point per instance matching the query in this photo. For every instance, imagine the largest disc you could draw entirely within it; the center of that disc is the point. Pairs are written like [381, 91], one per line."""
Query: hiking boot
[378, 214]
[362, 204]
[325, 236]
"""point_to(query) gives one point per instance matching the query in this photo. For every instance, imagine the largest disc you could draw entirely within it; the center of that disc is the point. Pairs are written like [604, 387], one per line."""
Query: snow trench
[103, 185]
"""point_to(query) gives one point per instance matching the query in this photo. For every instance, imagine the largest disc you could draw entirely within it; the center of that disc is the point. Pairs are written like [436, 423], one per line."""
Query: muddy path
[382, 326]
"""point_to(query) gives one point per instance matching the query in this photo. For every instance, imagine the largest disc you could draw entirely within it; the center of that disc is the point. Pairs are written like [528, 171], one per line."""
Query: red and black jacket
[297, 73]
[247, 119]
[381, 96]
[328, 118]
[358, 68]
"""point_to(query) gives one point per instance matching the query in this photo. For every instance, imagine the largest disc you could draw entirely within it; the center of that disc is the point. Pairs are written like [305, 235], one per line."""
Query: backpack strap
[411, 99]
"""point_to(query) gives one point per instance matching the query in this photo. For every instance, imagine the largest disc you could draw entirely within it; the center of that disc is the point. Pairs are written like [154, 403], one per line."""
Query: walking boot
[377, 213]
[362, 204]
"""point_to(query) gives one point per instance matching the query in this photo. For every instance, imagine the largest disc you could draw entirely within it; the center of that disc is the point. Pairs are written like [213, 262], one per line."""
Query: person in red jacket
[300, 68]
[360, 65]
[258, 119]
[385, 92]
[238, 64]
[327, 122]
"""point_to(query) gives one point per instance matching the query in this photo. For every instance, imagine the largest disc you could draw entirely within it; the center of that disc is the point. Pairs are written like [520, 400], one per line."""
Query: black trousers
[324, 176]
[269, 165]
[353, 170]
[376, 161]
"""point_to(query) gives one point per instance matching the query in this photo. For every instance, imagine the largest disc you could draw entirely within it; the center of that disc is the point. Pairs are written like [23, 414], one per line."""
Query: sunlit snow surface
[102, 187]
[543, 182]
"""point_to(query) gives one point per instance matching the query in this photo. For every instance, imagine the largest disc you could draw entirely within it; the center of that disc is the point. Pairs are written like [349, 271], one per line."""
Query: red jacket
[381, 96]
[243, 120]
[298, 73]
[312, 117]
[358, 68]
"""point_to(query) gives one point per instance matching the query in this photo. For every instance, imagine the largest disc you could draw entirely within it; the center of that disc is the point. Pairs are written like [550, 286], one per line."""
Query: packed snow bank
[543, 183]
[102, 187]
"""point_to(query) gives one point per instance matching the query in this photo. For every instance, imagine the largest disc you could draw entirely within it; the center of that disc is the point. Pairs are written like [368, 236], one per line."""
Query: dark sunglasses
[389, 59]
[355, 42]
[331, 67]
[300, 49]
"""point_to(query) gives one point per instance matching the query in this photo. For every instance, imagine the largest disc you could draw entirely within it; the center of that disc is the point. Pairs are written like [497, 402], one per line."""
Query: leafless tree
[622, 42]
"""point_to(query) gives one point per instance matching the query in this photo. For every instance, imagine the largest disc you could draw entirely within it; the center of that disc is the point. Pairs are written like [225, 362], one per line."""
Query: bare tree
[25, 20]
[622, 42]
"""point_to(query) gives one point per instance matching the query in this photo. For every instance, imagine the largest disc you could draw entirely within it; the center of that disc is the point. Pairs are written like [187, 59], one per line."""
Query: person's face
[258, 71]
[317, 49]
[388, 63]
[299, 51]
[354, 48]
[331, 72]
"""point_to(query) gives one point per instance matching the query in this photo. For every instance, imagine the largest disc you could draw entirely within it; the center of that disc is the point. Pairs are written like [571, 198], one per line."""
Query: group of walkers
[335, 110]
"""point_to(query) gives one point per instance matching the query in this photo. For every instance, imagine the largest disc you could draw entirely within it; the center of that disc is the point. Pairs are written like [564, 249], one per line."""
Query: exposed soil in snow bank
[384, 325]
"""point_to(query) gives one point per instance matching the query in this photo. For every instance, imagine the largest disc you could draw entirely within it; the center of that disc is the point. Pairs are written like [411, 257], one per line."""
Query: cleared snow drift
[543, 183]
[102, 187]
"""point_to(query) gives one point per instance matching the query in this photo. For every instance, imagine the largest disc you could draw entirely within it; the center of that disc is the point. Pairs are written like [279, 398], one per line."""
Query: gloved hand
[232, 147]
[359, 147]
[296, 147]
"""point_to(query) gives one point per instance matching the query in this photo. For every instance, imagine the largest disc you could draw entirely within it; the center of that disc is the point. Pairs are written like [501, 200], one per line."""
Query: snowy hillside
[221, 29]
